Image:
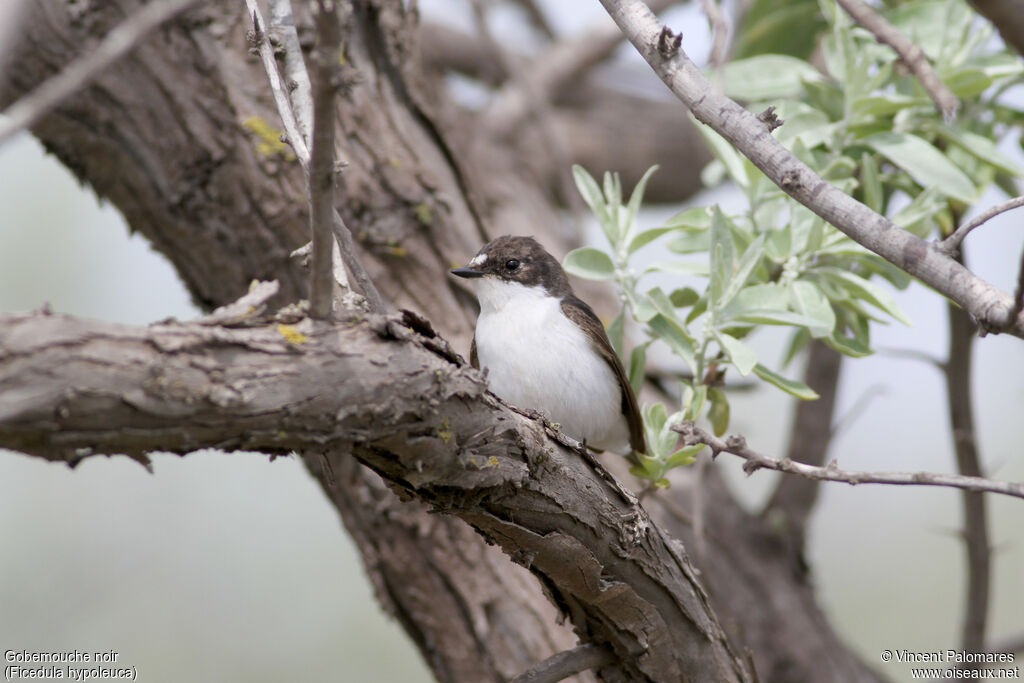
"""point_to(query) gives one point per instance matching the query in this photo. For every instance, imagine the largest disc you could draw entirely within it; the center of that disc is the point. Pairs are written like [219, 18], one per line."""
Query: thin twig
[284, 106]
[324, 59]
[661, 47]
[564, 664]
[957, 370]
[343, 236]
[950, 245]
[283, 33]
[719, 29]
[737, 445]
[125, 37]
[537, 18]
[911, 54]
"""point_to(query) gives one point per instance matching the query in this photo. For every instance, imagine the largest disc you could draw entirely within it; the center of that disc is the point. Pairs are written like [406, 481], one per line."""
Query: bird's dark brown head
[518, 259]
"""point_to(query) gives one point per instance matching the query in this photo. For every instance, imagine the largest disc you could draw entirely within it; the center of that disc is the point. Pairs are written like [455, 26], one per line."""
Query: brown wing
[581, 314]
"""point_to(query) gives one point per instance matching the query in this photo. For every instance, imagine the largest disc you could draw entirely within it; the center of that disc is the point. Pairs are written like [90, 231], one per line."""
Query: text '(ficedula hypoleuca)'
[544, 349]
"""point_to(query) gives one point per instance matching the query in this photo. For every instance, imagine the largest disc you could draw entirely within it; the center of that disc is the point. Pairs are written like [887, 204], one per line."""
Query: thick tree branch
[401, 403]
[29, 109]
[911, 54]
[661, 48]
[737, 446]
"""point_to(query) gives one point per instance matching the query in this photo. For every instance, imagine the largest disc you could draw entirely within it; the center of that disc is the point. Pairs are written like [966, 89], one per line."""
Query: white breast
[537, 358]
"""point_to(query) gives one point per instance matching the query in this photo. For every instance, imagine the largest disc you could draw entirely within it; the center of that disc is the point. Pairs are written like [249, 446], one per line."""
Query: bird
[544, 349]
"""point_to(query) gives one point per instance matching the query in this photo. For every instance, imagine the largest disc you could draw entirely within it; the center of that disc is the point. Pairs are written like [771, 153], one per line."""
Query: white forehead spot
[478, 260]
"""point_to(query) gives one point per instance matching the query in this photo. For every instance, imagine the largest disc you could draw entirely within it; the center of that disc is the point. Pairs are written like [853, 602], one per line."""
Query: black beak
[467, 272]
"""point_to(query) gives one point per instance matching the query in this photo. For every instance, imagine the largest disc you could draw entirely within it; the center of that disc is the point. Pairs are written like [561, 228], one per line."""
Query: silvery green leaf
[589, 263]
[637, 365]
[742, 272]
[616, 333]
[871, 184]
[810, 302]
[848, 346]
[865, 290]
[728, 155]
[722, 257]
[684, 456]
[982, 148]
[925, 164]
[741, 355]
[634, 202]
[790, 386]
[591, 194]
[766, 77]
[915, 216]
[646, 237]
[718, 413]
[673, 334]
[679, 268]
[691, 242]
[760, 297]
[697, 218]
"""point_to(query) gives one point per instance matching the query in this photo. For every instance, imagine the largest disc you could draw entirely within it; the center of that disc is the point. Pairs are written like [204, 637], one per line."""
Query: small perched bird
[544, 349]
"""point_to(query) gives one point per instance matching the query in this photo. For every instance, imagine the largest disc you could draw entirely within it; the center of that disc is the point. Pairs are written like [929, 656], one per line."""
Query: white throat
[537, 358]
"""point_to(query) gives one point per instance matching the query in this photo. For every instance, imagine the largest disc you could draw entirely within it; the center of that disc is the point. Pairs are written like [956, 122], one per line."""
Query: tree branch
[911, 54]
[564, 664]
[951, 244]
[809, 439]
[321, 166]
[661, 48]
[737, 446]
[957, 371]
[387, 391]
[300, 90]
[32, 107]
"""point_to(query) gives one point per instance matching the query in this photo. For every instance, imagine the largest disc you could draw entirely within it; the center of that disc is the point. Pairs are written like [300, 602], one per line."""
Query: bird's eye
[512, 264]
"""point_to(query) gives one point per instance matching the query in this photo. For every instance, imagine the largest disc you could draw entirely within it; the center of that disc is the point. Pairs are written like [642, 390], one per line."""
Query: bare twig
[321, 166]
[809, 439]
[560, 666]
[910, 53]
[957, 370]
[993, 308]
[283, 33]
[537, 17]
[277, 87]
[737, 445]
[950, 245]
[719, 29]
[342, 234]
[81, 72]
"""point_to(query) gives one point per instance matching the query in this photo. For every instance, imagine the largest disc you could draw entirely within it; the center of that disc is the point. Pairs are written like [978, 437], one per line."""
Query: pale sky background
[228, 567]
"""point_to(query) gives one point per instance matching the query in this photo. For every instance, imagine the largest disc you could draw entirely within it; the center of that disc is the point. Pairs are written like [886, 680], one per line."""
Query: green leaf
[617, 332]
[591, 194]
[848, 346]
[982, 148]
[684, 456]
[637, 365]
[646, 237]
[686, 296]
[697, 218]
[693, 400]
[673, 334]
[865, 290]
[737, 279]
[767, 77]
[790, 386]
[721, 148]
[691, 242]
[871, 184]
[925, 164]
[684, 268]
[722, 257]
[917, 216]
[718, 413]
[811, 302]
[635, 199]
[589, 263]
[741, 355]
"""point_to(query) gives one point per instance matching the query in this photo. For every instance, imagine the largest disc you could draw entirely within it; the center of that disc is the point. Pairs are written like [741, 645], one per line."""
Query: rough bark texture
[404, 405]
[176, 137]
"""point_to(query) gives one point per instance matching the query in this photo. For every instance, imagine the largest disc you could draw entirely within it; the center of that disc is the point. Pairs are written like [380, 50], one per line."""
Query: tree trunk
[178, 136]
